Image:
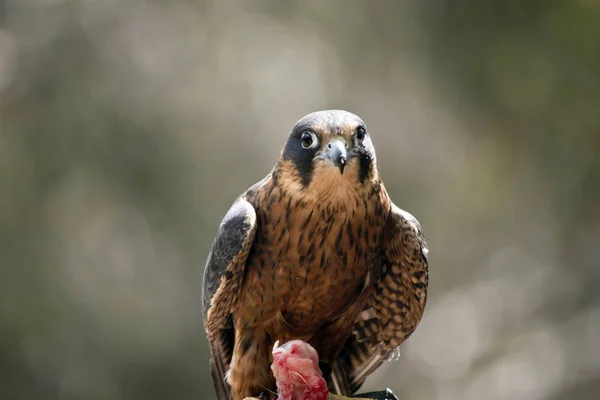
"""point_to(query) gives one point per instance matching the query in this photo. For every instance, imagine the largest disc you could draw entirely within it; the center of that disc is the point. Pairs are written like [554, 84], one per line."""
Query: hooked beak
[336, 152]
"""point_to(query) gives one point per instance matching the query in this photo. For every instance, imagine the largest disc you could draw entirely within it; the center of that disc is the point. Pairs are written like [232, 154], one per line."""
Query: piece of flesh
[297, 373]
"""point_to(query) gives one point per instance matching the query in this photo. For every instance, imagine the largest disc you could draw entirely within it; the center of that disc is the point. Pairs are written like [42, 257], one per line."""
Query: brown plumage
[316, 251]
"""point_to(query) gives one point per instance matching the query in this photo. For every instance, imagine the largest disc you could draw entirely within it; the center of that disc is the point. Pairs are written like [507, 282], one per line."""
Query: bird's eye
[309, 140]
[360, 133]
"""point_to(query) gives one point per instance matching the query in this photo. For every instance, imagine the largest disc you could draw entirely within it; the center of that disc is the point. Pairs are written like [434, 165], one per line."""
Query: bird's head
[328, 152]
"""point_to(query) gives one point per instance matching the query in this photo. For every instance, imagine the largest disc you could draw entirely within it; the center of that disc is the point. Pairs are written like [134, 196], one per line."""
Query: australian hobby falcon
[315, 251]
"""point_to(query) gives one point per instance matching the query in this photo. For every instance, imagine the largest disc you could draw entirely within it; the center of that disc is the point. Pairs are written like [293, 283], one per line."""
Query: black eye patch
[301, 157]
[366, 155]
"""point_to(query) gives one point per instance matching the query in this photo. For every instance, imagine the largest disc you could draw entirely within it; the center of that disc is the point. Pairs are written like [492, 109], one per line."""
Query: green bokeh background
[127, 129]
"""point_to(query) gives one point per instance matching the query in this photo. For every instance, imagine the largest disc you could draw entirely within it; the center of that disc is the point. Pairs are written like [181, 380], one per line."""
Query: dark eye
[309, 140]
[360, 133]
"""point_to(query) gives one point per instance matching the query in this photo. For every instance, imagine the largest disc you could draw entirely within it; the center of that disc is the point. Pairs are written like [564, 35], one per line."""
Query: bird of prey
[316, 251]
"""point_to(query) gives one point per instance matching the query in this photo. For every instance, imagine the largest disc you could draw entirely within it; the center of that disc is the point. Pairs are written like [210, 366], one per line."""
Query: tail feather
[337, 381]
[358, 360]
[219, 365]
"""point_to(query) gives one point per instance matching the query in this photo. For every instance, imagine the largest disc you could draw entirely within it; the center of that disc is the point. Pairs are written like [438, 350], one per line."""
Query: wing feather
[223, 276]
[397, 305]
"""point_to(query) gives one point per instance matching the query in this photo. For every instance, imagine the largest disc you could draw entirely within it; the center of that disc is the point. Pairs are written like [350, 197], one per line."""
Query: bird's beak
[336, 152]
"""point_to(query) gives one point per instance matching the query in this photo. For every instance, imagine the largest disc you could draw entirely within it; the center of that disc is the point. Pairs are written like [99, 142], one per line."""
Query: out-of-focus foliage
[127, 129]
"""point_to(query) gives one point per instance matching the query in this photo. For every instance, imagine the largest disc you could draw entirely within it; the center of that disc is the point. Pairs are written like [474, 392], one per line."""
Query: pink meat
[297, 373]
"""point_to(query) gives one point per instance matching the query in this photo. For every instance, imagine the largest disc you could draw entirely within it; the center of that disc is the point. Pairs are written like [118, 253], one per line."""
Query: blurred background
[128, 128]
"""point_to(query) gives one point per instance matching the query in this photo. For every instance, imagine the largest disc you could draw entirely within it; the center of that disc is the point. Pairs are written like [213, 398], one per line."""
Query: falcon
[316, 252]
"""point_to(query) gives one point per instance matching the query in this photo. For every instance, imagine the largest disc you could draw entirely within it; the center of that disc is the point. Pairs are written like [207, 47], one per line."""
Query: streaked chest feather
[317, 254]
